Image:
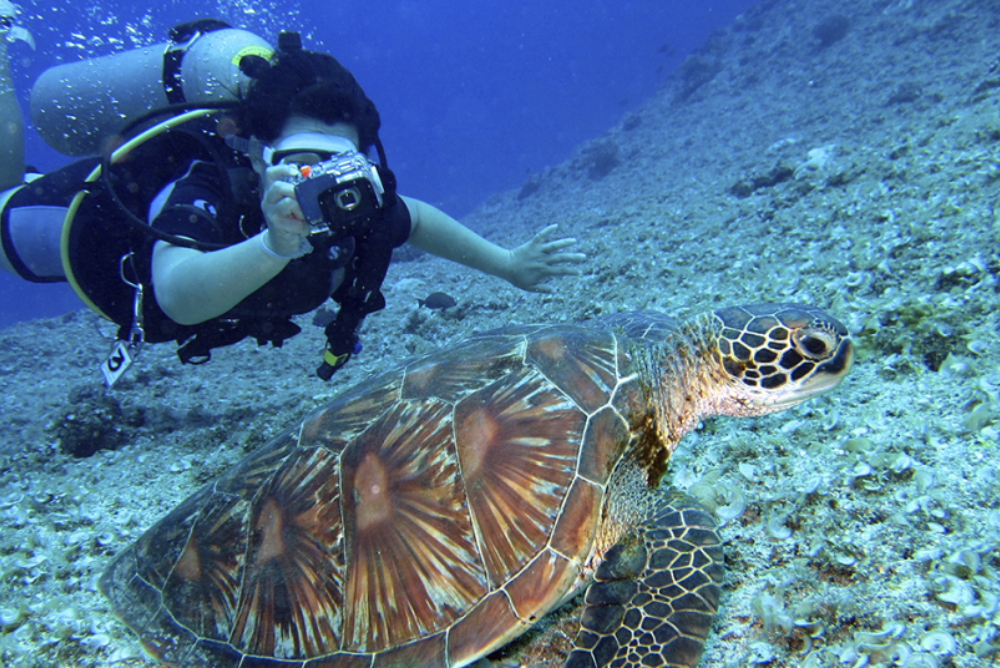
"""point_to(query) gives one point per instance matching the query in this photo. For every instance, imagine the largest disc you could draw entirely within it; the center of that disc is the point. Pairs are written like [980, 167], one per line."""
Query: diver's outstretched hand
[540, 259]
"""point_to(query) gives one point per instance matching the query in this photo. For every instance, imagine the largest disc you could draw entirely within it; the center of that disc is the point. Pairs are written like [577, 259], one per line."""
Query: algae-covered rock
[92, 420]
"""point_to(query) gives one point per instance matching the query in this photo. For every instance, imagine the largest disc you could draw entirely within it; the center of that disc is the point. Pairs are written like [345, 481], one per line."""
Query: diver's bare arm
[527, 267]
[434, 231]
[192, 286]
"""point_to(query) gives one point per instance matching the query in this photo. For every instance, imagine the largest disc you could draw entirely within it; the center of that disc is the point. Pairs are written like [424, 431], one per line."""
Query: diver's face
[306, 133]
[305, 140]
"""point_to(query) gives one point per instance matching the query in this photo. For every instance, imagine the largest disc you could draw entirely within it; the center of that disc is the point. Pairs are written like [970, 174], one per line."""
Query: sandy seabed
[845, 154]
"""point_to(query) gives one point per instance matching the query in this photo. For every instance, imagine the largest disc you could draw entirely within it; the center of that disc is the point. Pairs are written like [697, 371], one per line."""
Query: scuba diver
[264, 192]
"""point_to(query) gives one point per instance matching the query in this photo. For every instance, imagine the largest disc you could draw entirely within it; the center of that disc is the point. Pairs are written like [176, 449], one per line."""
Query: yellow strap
[95, 174]
[335, 360]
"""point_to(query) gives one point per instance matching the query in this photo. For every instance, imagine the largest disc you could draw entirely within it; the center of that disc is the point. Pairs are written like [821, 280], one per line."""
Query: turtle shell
[422, 519]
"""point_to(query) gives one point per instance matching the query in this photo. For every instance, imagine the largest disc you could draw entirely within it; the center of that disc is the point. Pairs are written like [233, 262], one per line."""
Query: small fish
[437, 300]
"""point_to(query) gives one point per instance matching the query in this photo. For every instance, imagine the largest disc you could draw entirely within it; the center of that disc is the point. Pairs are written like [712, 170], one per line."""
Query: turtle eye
[815, 343]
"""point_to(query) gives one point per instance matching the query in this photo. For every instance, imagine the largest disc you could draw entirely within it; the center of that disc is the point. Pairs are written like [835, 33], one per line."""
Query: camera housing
[341, 193]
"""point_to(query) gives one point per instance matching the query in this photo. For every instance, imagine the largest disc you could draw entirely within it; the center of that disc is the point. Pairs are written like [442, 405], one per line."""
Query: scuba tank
[78, 107]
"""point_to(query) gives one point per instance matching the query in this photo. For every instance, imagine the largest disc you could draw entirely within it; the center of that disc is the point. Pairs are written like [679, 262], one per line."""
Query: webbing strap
[172, 87]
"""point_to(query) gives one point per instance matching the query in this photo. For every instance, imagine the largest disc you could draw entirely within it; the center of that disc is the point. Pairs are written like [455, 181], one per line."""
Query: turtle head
[778, 355]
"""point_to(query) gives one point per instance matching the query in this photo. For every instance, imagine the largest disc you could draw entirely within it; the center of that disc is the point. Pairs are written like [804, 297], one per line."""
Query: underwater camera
[341, 193]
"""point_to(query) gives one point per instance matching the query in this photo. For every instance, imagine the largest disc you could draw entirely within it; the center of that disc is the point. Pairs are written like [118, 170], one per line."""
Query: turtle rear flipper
[656, 592]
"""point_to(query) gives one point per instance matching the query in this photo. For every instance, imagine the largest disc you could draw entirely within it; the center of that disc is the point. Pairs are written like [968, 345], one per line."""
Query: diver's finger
[569, 271]
[281, 173]
[572, 258]
[558, 244]
[278, 191]
[545, 232]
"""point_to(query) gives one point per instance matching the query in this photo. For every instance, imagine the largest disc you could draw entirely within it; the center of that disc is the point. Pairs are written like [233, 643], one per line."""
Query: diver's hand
[287, 228]
[541, 259]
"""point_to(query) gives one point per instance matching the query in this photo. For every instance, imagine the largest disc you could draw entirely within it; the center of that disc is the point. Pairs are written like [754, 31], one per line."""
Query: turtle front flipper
[656, 592]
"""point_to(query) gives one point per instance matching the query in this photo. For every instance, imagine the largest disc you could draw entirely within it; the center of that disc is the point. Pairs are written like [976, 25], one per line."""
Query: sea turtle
[432, 514]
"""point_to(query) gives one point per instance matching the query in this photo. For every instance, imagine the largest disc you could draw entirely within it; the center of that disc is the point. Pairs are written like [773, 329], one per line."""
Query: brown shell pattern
[437, 511]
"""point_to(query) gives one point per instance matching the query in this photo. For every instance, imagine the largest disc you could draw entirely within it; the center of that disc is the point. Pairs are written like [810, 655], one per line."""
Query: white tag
[117, 363]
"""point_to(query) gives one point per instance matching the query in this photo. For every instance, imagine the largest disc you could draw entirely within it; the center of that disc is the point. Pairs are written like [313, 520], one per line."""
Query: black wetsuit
[194, 207]
[200, 206]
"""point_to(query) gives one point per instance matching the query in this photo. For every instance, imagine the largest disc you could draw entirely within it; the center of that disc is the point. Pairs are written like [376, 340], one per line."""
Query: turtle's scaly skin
[438, 511]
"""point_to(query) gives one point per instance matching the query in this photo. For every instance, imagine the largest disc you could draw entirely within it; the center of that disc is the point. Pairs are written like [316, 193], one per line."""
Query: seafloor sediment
[842, 153]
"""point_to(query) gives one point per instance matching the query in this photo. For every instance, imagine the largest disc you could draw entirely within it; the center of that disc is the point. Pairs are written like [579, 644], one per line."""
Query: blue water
[473, 96]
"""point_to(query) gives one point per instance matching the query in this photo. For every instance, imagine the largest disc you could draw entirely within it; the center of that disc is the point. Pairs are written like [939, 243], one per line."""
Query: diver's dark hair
[305, 83]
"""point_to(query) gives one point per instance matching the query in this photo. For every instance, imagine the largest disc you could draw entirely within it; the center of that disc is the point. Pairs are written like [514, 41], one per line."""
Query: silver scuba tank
[78, 107]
